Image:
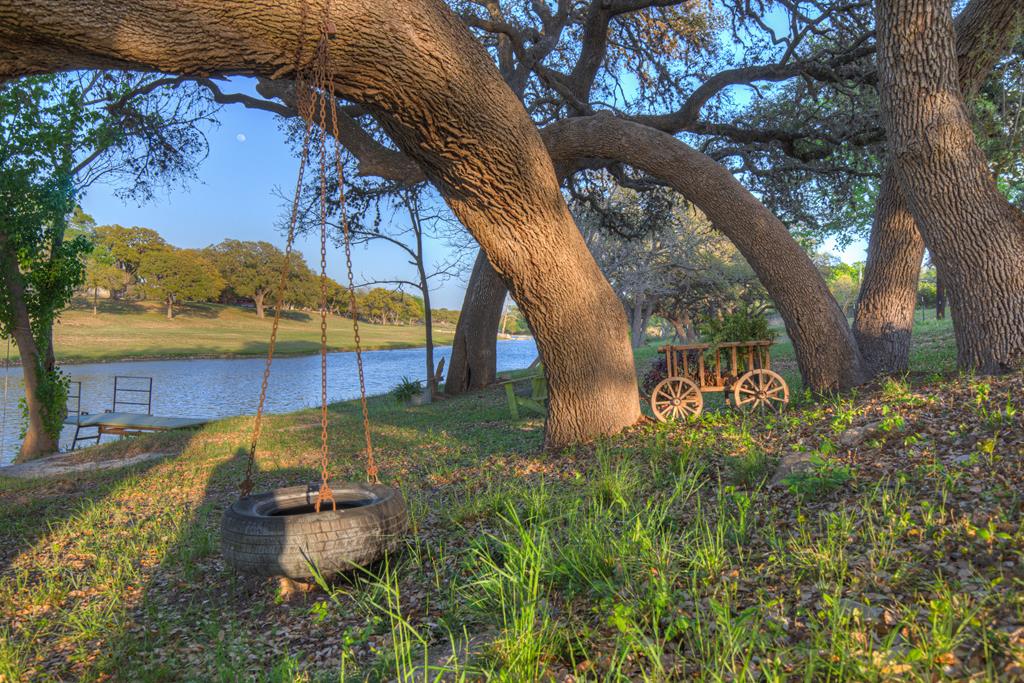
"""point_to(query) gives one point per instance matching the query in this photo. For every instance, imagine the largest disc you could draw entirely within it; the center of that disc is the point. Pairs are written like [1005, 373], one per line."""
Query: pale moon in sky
[240, 137]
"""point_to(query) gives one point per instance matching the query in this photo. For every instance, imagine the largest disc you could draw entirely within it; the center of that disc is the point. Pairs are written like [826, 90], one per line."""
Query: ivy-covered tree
[173, 275]
[59, 134]
[40, 268]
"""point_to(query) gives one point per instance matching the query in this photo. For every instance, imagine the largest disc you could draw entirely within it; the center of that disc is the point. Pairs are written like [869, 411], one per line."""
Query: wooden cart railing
[688, 360]
[743, 368]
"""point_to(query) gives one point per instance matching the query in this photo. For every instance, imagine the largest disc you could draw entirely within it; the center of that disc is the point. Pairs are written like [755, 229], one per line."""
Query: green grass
[133, 330]
[659, 554]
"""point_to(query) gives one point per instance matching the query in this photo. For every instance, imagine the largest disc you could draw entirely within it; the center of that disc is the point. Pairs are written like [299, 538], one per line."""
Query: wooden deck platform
[120, 424]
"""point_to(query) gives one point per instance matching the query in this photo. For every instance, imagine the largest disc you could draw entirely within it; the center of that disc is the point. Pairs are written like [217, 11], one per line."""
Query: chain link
[325, 492]
[371, 464]
[319, 93]
[249, 483]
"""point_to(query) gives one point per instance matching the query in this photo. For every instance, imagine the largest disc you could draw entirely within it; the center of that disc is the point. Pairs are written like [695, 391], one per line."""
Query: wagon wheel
[676, 397]
[760, 389]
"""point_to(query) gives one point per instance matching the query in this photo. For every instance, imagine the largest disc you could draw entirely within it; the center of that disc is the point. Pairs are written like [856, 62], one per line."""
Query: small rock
[867, 612]
[853, 436]
[790, 464]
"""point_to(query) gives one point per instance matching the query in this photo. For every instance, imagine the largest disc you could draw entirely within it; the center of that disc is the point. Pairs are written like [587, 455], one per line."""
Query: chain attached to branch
[249, 482]
[325, 492]
[371, 464]
[313, 100]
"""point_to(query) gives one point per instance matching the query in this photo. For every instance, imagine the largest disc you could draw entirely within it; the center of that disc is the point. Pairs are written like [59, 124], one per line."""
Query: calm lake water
[225, 387]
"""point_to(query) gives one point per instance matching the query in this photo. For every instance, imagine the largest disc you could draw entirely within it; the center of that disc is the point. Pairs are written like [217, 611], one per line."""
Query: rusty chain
[323, 90]
[371, 464]
[325, 492]
[248, 483]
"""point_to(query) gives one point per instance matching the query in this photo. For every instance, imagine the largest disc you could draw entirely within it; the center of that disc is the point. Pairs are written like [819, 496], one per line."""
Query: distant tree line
[136, 263]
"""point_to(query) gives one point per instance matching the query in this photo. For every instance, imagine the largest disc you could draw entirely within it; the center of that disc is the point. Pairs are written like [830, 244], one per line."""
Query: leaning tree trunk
[975, 236]
[985, 31]
[473, 364]
[885, 308]
[37, 441]
[825, 348]
[415, 67]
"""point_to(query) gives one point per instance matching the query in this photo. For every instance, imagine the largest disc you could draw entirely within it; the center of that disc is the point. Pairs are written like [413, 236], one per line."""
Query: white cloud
[240, 137]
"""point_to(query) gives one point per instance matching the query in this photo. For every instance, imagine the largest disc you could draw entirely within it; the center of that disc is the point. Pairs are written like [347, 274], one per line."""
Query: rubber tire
[255, 541]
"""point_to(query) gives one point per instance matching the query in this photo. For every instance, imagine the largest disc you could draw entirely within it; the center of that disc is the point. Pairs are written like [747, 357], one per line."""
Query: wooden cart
[742, 369]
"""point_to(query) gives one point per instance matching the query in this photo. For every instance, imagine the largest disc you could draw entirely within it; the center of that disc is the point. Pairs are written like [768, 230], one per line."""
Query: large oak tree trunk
[975, 236]
[414, 66]
[37, 441]
[473, 361]
[885, 308]
[985, 31]
[825, 348]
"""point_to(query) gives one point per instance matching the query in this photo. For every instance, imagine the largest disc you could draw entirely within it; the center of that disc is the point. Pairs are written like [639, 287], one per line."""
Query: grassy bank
[132, 330]
[662, 553]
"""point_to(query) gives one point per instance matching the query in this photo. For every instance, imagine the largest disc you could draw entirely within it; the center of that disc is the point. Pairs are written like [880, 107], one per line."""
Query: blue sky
[234, 197]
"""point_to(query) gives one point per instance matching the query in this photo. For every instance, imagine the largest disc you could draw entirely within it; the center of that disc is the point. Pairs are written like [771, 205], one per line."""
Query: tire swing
[284, 532]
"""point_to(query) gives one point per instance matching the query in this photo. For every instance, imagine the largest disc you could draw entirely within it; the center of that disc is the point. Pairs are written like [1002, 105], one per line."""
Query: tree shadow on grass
[188, 309]
[109, 306]
[134, 588]
[296, 316]
[198, 618]
[29, 509]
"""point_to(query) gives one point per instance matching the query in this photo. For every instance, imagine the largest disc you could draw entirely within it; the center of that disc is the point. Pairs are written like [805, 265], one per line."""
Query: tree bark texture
[975, 236]
[473, 361]
[888, 295]
[433, 89]
[985, 31]
[825, 348]
[37, 441]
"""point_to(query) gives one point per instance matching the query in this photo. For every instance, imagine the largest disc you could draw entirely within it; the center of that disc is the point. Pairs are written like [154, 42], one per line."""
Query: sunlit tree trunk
[985, 30]
[975, 236]
[258, 299]
[434, 90]
[473, 361]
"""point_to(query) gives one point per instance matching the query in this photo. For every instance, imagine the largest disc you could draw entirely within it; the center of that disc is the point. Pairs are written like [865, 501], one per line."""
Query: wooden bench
[537, 401]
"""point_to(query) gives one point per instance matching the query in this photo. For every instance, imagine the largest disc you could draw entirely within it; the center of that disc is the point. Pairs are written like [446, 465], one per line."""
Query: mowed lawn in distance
[140, 329]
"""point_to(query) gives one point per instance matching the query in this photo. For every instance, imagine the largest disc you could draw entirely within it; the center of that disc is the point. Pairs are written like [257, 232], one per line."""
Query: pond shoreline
[221, 387]
[76, 360]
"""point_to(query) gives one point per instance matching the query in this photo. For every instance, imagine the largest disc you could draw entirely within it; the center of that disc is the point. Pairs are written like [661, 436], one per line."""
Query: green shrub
[406, 389]
[747, 323]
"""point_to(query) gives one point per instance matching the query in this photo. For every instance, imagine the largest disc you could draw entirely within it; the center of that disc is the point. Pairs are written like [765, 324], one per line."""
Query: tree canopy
[172, 275]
